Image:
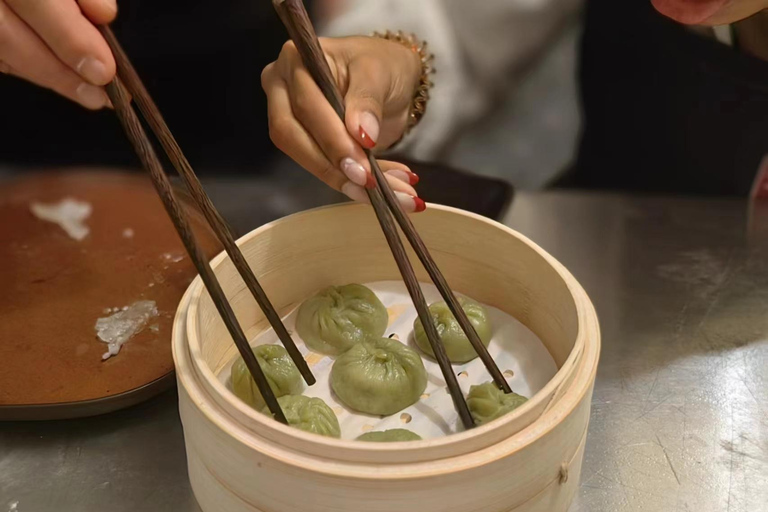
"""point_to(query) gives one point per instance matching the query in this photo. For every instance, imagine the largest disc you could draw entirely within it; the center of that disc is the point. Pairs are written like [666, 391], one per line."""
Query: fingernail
[369, 129]
[404, 176]
[354, 192]
[420, 204]
[409, 203]
[93, 70]
[91, 96]
[354, 171]
[371, 182]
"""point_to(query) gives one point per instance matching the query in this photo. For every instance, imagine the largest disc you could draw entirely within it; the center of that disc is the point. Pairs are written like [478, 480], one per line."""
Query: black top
[667, 110]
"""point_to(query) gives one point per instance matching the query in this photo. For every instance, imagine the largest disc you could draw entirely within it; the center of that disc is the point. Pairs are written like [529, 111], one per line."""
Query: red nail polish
[370, 182]
[366, 139]
[413, 178]
[420, 204]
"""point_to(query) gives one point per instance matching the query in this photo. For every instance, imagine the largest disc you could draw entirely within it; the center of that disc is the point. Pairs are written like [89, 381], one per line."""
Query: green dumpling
[283, 376]
[309, 414]
[339, 317]
[457, 345]
[394, 435]
[487, 402]
[379, 376]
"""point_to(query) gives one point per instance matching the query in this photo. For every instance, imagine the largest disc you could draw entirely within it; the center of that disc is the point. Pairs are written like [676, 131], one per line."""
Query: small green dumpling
[339, 317]
[394, 435]
[379, 376]
[457, 345]
[283, 376]
[487, 402]
[309, 414]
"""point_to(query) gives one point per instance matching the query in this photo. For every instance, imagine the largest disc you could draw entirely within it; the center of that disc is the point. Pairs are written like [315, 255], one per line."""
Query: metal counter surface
[680, 407]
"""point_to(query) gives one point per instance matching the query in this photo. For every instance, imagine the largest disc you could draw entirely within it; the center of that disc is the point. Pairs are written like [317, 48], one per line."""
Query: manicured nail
[354, 171]
[404, 176]
[369, 129]
[354, 192]
[371, 182]
[420, 204]
[91, 96]
[409, 203]
[93, 70]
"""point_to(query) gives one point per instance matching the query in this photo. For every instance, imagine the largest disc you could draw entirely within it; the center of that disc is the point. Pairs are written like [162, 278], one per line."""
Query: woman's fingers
[292, 139]
[25, 55]
[323, 124]
[411, 204]
[399, 171]
[70, 35]
[290, 136]
[305, 127]
[395, 172]
[405, 193]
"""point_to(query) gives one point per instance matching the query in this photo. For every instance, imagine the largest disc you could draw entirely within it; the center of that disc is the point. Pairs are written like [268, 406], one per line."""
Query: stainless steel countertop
[680, 408]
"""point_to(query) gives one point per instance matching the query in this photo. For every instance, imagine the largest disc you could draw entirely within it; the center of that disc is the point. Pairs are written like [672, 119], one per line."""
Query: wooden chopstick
[295, 18]
[437, 277]
[143, 147]
[152, 114]
[408, 229]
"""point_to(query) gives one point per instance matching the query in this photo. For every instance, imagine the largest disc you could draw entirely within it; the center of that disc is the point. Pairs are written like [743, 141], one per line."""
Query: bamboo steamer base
[530, 460]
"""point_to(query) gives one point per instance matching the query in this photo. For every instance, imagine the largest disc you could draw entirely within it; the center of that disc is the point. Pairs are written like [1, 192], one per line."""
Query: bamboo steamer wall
[530, 460]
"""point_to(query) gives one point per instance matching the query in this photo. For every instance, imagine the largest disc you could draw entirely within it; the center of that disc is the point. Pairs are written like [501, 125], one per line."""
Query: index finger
[70, 35]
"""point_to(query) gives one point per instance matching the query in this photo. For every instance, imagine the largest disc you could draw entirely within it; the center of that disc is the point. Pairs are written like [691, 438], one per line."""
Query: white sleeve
[478, 45]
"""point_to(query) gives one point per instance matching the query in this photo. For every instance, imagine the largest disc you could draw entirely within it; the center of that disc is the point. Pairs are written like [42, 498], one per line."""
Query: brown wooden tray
[53, 288]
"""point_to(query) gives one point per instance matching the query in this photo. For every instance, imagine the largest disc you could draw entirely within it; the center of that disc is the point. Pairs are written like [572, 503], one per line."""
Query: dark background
[201, 60]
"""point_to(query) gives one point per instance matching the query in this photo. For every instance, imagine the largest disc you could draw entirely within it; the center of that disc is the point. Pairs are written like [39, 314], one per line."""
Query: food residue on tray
[123, 324]
[69, 214]
[173, 258]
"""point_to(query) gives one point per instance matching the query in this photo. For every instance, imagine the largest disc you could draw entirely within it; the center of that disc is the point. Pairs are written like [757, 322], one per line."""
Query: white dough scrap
[118, 328]
[69, 214]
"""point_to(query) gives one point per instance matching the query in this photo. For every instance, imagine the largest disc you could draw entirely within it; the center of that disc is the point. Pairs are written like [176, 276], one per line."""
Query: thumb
[364, 104]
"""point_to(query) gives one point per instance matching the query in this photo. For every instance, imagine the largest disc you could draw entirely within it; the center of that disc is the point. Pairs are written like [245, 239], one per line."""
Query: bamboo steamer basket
[529, 460]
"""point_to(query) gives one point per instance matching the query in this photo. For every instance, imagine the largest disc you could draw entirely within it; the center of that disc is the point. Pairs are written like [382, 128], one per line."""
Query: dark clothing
[667, 110]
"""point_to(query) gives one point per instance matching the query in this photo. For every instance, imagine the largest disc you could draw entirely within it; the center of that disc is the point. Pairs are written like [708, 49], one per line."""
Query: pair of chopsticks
[128, 82]
[296, 20]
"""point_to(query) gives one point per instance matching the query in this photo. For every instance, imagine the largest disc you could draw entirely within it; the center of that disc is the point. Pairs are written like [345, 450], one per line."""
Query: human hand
[377, 79]
[709, 12]
[54, 44]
